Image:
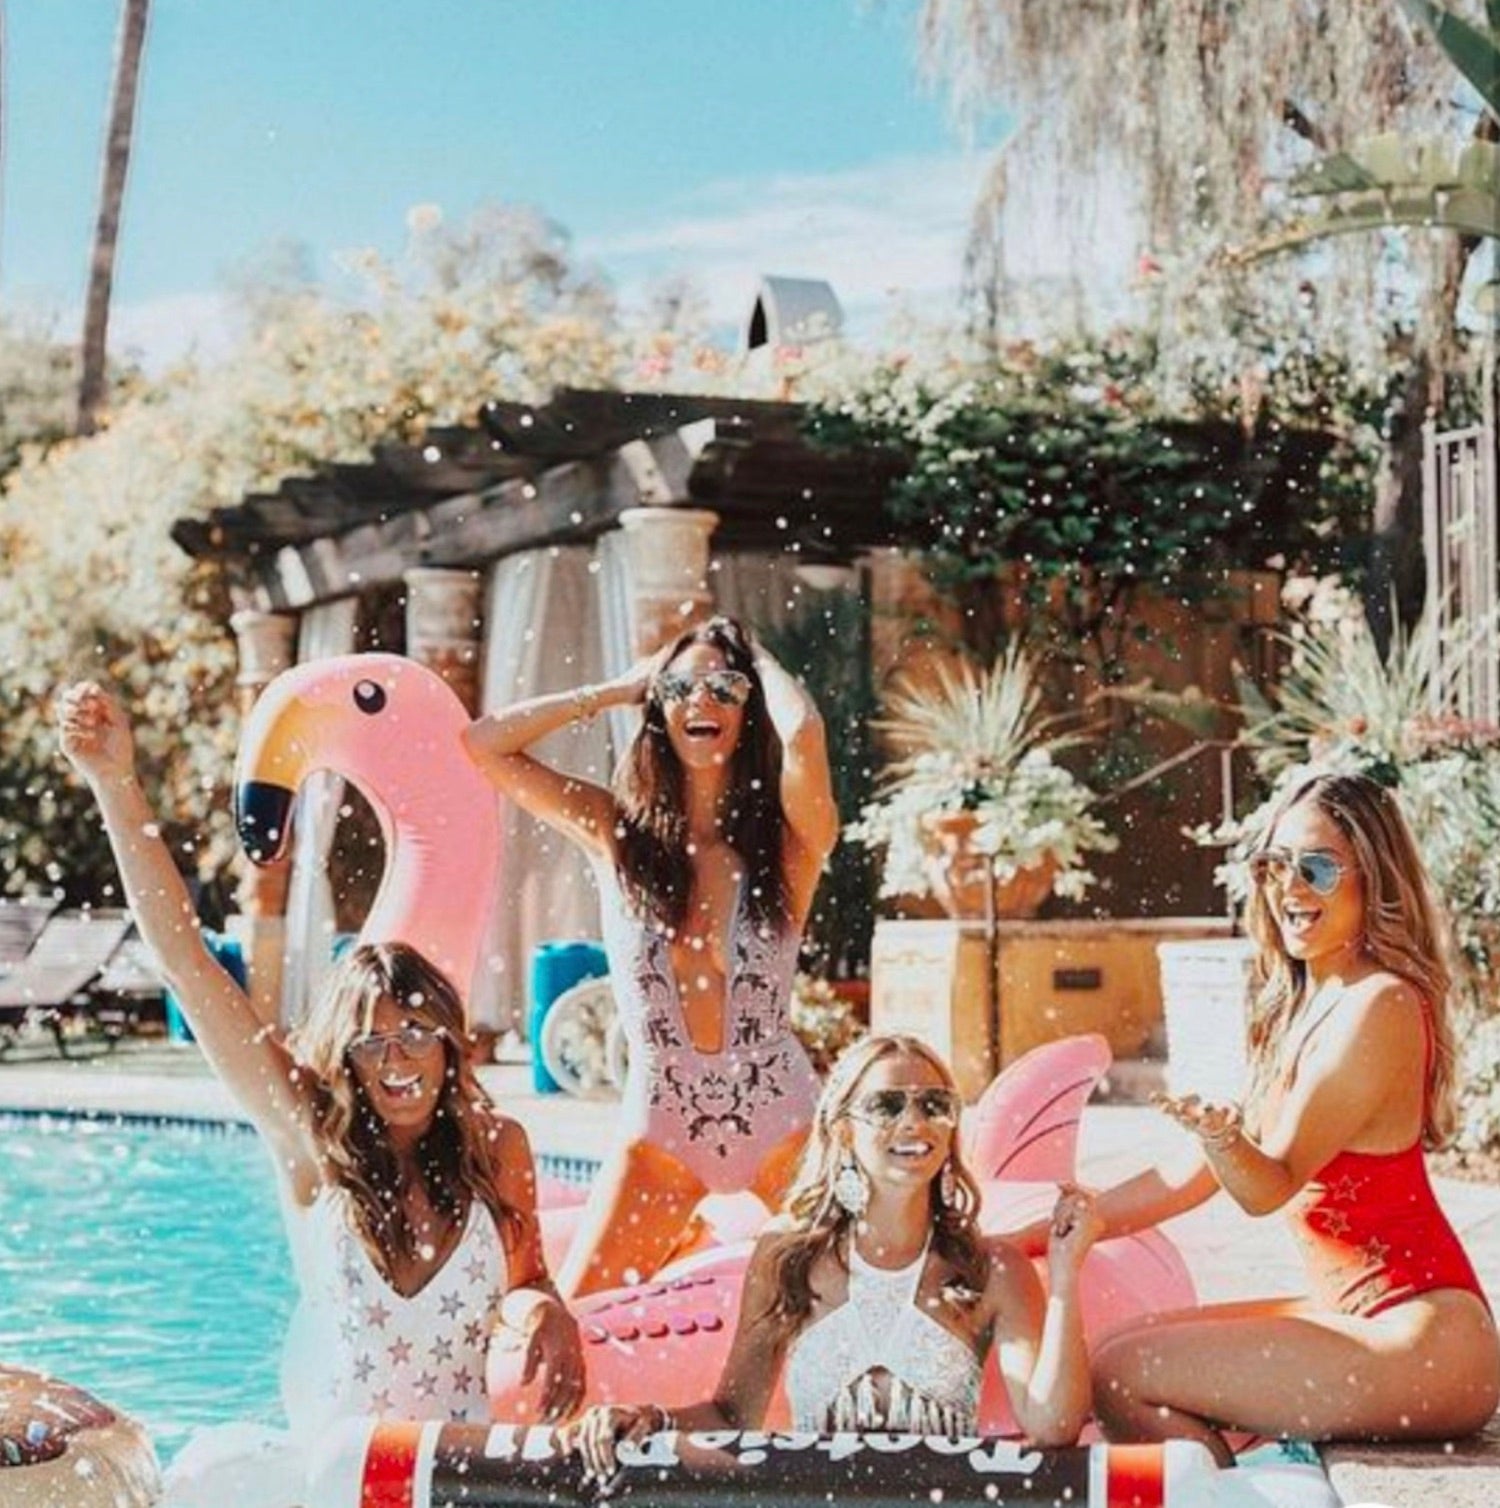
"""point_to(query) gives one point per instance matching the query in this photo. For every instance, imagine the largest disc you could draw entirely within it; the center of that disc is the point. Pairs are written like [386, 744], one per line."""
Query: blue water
[146, 1263]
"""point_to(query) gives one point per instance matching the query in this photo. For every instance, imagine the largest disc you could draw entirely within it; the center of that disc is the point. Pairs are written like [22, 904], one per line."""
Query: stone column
[667, 554]
[443, 626]
[267, 645]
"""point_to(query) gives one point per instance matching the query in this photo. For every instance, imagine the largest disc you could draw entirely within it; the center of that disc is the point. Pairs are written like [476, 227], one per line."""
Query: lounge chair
[55, 981]
[21, 923]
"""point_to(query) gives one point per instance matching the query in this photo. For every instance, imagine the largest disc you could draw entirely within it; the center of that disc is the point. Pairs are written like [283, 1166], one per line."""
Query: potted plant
[974, 801]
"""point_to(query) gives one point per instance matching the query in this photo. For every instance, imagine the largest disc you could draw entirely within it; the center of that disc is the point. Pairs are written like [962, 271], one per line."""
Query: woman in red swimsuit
[1352, 1068]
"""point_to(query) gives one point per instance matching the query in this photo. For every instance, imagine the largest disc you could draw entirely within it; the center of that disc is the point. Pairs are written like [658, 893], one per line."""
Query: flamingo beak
[262, 817]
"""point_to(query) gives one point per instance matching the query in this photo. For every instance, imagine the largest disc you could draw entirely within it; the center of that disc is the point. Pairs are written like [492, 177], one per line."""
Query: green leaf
[1475, 53]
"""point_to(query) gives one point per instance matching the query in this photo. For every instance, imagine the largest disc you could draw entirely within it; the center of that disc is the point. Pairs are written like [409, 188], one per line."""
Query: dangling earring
[948, 1185]
[851, 1191]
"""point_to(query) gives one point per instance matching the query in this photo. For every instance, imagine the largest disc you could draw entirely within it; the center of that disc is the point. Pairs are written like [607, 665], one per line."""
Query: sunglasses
[885, 1107]
[730, 688]
[1318, 869]
[413, 1040]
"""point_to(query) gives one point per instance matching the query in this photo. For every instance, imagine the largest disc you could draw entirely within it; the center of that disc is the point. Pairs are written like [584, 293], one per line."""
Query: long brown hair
[456, 1155]
[650, 789]
[821, 1225]
[1403, 934]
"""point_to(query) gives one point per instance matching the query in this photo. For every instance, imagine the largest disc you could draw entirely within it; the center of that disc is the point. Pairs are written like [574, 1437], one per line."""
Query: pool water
[147, 1263]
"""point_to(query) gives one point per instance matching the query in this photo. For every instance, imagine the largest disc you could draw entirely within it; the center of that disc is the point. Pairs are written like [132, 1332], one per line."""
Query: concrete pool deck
[1231, 1255]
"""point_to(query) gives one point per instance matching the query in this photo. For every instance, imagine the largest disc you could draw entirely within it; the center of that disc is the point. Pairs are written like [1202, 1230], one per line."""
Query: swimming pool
[147, 1263]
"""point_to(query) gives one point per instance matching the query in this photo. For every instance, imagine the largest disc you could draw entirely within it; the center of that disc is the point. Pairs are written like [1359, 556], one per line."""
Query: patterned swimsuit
[718, 1113]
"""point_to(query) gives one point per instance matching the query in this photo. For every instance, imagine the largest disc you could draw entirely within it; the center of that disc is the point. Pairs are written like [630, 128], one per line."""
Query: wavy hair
[650, 791]
[821, 1225]
[1403, 934]
[456, 1155]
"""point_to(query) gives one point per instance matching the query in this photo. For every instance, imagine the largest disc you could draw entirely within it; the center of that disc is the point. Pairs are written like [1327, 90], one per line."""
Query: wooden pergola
[523, 477]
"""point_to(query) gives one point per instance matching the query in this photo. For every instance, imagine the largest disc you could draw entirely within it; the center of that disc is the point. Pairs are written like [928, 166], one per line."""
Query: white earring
[850, 1189]
[948, 1185]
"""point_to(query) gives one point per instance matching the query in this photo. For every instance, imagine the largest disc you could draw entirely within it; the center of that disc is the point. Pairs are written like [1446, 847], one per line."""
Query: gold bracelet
[585, 701]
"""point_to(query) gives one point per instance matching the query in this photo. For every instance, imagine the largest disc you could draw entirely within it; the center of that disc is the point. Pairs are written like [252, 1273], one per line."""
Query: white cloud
[159, 331]
[888, 235]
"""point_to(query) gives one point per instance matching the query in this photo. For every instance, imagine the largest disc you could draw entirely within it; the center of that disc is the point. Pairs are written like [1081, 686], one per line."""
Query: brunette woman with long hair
[1351, 1076]
[875, 1289]
[410, 1203]
[707, 852]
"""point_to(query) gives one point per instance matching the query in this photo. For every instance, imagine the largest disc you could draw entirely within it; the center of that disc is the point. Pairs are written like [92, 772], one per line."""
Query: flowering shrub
[1344, 707]
[977, 742]
[824, 1022]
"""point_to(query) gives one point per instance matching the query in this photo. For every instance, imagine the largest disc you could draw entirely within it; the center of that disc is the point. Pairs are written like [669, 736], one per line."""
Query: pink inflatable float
[665, 1340]
[392, 727]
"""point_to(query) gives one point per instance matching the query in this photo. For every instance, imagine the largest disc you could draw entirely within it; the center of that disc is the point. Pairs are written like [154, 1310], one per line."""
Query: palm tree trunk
[132, 44]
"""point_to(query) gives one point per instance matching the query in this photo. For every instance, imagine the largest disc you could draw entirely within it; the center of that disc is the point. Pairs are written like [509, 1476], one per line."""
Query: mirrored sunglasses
[1318, 869]
[730, 688]
[885, 1107]
[413, 1040]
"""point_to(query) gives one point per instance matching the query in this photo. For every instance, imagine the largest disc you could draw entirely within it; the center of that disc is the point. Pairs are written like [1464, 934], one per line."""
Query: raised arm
[807, 799]
[581, 810]
[245, 1053]
[1039, 1337]
[739, 1401]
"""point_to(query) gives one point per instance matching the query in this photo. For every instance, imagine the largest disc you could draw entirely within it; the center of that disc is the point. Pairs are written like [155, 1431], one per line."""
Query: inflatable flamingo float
[392, 727]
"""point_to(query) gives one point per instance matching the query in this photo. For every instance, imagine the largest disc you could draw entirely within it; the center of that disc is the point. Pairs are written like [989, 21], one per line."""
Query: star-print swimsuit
[718, 1113]
[368, 1350]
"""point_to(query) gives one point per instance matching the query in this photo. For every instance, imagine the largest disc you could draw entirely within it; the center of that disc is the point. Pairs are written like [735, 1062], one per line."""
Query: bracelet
[1229, 1132]
[666, 1420]
[585, 701]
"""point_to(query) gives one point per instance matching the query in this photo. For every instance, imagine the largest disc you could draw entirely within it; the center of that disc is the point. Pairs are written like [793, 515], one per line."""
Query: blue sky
[719, 138]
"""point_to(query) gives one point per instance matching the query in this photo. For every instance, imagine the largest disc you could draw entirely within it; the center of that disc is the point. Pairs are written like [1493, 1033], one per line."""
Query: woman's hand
[1075, 1226]
[555, 1350]
[597, 1435]
[95, 733]
[1213, 1125]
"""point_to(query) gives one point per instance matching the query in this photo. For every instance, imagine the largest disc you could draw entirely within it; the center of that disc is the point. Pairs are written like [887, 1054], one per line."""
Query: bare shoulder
[1381, 1012]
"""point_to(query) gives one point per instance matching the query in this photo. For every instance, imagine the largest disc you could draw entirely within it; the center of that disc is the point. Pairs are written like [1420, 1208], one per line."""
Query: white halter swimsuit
[933, 1376]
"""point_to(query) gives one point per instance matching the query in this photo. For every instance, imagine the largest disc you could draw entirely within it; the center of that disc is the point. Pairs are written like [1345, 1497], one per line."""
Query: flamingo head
[379, 720]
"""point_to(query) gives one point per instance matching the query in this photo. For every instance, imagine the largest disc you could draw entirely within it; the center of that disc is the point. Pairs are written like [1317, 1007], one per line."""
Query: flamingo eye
[369, 697]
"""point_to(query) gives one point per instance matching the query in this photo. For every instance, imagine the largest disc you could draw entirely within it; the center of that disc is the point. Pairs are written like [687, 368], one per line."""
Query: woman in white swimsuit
[876, 1290]
[410, 1204]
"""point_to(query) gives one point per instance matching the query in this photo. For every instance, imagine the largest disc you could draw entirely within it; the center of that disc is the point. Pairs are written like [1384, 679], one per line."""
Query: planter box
[1205, 993]
[1053, 978]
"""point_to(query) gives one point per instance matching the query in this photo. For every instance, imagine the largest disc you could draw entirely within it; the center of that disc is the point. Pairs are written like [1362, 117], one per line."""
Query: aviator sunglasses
[413, 1040]
[730, 688]
[885, 1107]
[1318, 869]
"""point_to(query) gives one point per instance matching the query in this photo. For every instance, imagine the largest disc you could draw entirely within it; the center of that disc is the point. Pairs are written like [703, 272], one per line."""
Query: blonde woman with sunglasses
[876, 1293]
[1352, 1068]
[707, 851]
[410, 1203]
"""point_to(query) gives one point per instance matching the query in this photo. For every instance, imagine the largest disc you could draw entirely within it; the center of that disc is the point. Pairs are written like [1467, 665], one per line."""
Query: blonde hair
[1403, 934]
[820, 1223]
[456, 1156]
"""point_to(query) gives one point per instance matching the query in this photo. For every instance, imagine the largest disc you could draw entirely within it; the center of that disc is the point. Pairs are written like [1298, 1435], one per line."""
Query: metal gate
[1461, 535]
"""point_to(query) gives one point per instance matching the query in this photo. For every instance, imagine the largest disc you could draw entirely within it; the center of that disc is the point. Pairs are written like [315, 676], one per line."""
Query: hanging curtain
[542, 634]
[759, 587]
[324, 631]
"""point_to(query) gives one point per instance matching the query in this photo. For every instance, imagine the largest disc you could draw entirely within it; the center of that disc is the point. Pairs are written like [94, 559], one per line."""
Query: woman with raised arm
[707, 852]
[1352, 1068]
[876, 1290]
[410, 1202]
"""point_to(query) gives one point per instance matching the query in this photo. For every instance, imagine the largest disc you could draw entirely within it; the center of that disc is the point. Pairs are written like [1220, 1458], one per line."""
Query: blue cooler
[228, 952]
[556, 967]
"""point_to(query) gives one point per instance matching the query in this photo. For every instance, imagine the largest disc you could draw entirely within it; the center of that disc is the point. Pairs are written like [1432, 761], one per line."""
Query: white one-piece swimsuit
[932, 1376]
